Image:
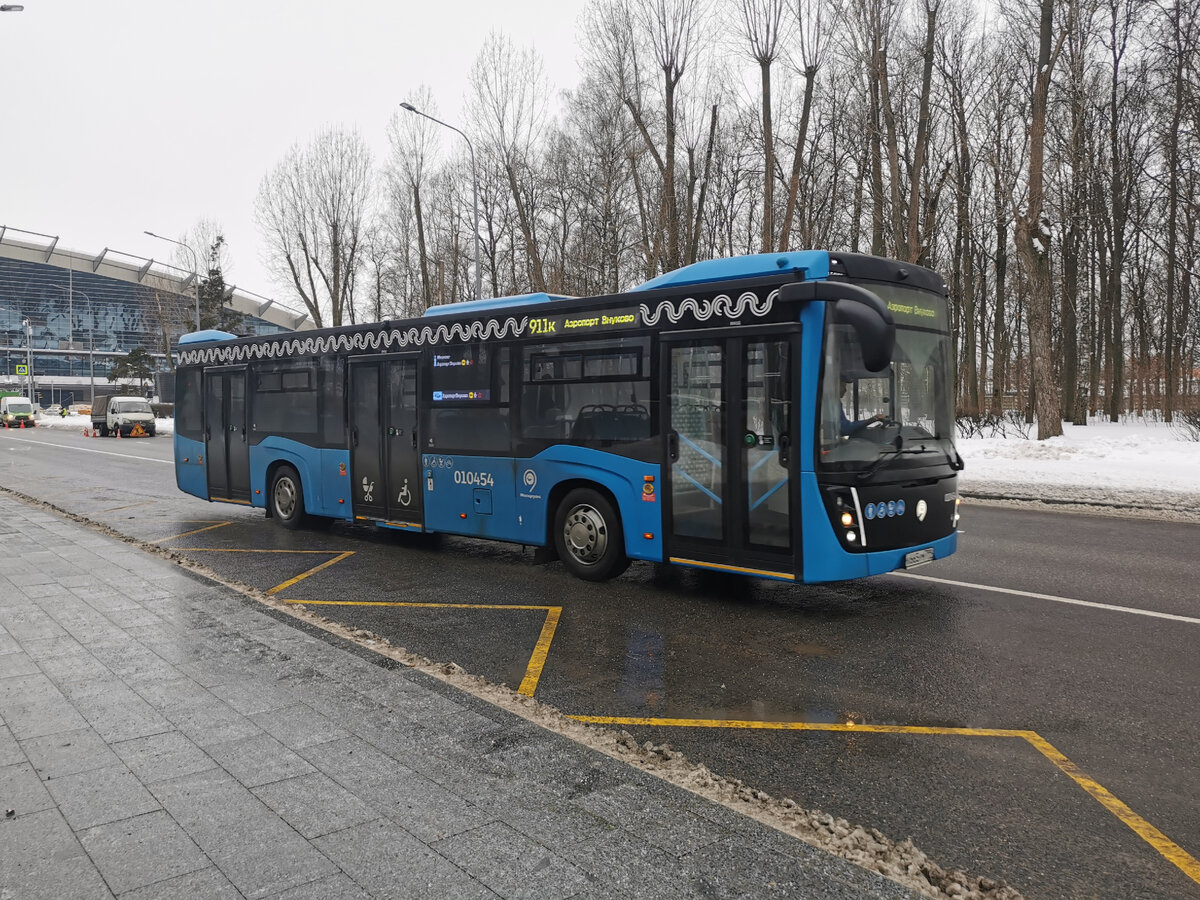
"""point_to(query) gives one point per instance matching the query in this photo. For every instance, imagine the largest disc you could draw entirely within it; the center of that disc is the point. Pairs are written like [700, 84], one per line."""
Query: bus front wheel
[588, 536]
[287, 498]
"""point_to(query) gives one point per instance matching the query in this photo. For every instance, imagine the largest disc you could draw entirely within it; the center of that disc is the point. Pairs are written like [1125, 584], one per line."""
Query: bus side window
[189, 404]
[587, 391]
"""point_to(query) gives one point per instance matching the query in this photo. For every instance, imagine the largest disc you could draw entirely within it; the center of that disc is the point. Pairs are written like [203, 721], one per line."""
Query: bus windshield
[905, 411]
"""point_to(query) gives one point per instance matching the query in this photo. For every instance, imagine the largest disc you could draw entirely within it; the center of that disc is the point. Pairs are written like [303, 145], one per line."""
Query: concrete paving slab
[205, 884]
[259, 852]
[315, 804]
[161, 756]
[69, 753]
[141, 851]
[389, 862]
[43, 860]
[100, 796]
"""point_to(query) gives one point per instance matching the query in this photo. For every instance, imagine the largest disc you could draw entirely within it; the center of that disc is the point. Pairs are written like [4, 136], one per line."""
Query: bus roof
[813, 263]
[469, 306]
[204, 337]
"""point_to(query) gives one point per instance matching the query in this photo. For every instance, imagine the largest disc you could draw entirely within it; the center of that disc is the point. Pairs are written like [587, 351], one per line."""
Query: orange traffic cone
[22, 423]
[85, 431]
[118, 431]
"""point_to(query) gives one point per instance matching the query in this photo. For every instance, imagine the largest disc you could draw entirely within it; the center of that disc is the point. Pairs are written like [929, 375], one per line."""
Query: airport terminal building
[66, 316]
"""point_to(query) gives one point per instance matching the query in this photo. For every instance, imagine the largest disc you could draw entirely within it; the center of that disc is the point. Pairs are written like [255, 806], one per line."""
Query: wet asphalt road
[1115, 692]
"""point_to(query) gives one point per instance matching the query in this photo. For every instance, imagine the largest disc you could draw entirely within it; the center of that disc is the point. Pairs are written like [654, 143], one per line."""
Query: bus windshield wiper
[884, 455]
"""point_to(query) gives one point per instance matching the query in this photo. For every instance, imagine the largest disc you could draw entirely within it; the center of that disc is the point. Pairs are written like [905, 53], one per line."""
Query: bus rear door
[384, 450]
[226, 451]
[730, 424]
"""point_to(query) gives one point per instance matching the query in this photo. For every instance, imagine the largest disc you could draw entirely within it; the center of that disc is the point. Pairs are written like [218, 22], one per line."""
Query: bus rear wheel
[589, 537]
[287, 498]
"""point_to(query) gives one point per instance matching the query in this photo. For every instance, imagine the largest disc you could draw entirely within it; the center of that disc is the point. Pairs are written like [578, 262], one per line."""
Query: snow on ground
[1135, 455]
[1133, 466]
[77, 423]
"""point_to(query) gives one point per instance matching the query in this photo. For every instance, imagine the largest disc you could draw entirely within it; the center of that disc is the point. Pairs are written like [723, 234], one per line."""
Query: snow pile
[78, 423]
[1134, 462]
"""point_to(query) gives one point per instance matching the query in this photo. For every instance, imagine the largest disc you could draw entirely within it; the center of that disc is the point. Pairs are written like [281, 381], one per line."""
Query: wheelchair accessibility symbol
[405, 495]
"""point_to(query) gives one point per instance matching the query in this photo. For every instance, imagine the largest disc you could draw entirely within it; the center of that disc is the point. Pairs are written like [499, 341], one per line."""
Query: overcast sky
[121, 116]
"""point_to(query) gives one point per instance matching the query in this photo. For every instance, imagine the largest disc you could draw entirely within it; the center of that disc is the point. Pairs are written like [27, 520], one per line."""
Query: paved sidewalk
[164, 737]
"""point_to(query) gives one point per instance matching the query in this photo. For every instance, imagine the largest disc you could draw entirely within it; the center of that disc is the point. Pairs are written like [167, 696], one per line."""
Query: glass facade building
[70, 315]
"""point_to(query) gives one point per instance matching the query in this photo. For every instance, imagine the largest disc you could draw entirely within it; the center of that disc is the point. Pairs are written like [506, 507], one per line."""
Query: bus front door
[384, 451]
[227, 455]
[729, 420]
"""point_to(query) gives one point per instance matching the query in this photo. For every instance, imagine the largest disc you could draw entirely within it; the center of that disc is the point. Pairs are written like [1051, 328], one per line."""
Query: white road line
[999, 590]
[167, 462]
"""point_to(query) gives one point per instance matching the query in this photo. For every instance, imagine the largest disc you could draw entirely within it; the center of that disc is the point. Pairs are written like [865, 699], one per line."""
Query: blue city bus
[786, 416]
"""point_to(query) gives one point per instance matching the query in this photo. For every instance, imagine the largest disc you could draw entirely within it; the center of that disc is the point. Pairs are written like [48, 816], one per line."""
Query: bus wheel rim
[285, 497]
[585, 534]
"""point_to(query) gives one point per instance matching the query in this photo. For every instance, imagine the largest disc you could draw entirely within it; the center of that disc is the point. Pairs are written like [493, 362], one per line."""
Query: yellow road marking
[427, 605]
[1167, 848]
[187, 533]
[313, 571]
[800, 726]
[533, 671]
[1162, 844]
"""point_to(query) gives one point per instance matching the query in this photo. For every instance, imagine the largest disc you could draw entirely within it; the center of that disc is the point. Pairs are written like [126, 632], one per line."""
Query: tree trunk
[1033, 243]
[793, 194]
[422, 254]
[768, 223]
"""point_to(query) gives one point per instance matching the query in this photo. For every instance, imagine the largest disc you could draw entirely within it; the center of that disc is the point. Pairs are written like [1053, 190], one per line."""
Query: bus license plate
[918, 558]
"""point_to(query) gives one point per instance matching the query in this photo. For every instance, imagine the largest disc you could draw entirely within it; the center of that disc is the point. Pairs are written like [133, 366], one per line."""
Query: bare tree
[508, 104]
[414, 140]
[311, 209]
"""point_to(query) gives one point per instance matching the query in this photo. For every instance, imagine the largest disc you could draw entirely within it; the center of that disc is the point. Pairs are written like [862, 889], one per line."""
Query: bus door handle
[673, 445]
[354, 435]
[414, 439]
[785, 447]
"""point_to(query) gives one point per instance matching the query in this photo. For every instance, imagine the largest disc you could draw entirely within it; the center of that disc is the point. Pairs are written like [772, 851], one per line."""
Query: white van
[17, 412]
[131, 416]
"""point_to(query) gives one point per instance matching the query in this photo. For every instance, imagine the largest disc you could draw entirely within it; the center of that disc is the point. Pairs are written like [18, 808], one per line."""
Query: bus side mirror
[857, 307]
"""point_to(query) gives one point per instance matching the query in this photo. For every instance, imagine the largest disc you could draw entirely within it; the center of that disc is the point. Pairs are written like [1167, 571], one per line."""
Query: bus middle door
[403, 449]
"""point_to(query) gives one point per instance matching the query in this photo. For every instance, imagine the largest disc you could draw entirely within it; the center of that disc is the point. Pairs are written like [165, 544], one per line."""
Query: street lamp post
[474, 193]
[195, 269]
[29, 356]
